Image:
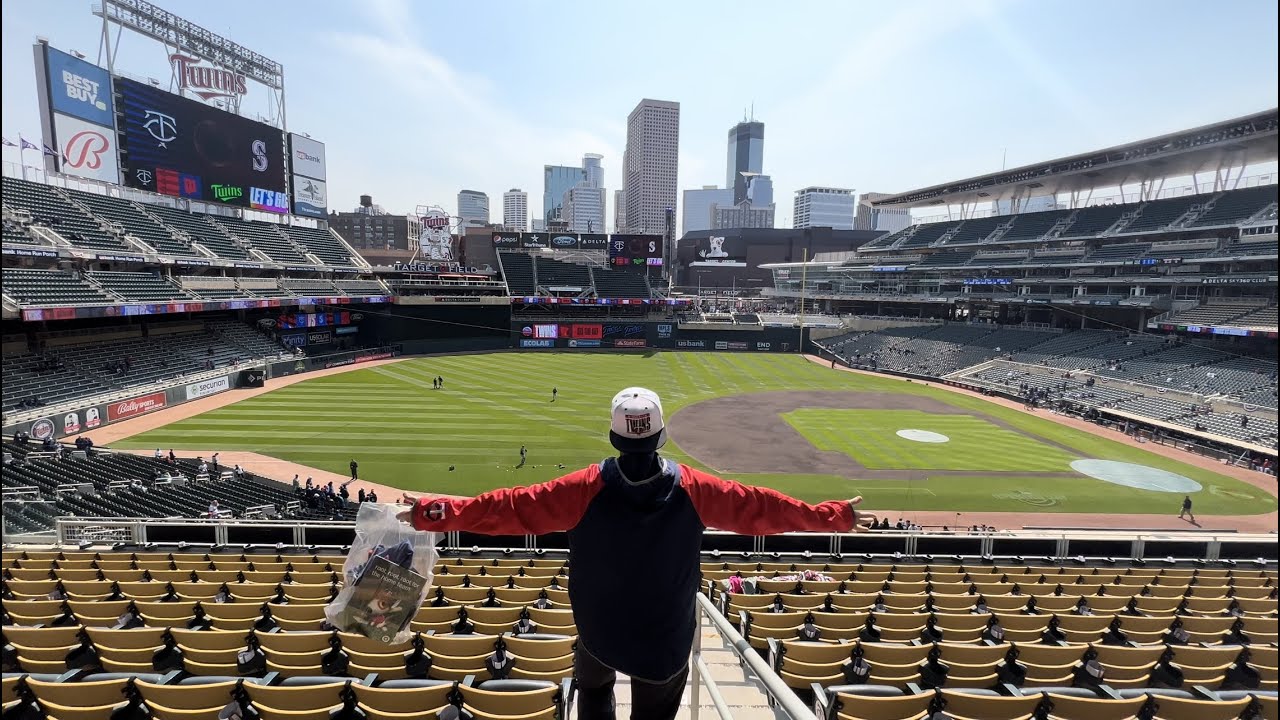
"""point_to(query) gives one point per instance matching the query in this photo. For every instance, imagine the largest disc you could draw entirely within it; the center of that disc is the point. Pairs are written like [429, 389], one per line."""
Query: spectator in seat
[634, 521]
[213, 508]
[360, 496]
[173, 459]
[372, 496]
[159, 455]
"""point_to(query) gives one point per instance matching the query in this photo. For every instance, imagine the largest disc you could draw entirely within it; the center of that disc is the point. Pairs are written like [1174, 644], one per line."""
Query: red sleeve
[750, 510]
[548, 507]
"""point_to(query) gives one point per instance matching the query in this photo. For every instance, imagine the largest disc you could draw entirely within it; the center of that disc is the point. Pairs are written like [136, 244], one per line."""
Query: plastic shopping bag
[387, 574]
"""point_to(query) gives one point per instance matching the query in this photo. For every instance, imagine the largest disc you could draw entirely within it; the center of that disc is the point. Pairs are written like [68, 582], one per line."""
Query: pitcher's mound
[924, 436]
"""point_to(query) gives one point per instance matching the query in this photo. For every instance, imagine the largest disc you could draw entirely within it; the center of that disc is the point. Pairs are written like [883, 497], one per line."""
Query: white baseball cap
[637, 425]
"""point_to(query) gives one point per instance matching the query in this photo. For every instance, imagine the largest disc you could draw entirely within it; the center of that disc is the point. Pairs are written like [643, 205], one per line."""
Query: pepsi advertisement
[175, 146]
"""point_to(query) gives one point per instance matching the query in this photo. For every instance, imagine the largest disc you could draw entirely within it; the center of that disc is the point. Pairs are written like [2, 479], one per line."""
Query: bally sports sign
[136, 406]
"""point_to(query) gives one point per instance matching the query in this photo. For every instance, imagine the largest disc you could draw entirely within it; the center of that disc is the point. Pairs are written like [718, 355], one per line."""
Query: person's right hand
[406, 516]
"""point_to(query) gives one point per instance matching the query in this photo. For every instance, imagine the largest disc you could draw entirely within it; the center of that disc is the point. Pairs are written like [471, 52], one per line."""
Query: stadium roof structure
[1219, 148]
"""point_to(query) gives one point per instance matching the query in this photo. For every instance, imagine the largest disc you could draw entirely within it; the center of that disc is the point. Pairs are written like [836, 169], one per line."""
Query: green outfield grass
[406, 434]
[870, 437]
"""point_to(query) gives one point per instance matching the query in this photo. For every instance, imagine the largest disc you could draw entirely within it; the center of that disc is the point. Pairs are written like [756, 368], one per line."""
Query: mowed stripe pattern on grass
[407, 435]
[404, 432]
[870, 437]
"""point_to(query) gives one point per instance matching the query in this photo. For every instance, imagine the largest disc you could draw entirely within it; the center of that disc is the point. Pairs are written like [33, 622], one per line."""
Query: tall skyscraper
[742, 215]
[473, 208]
[556, 180]
[584, 209]
[698, 204]
[515, 210]
[823, 207]
[651, 164]
[619, 210]
[746, 155]
[593, 170]
[759, 190]
[583, 204]
[874, 218]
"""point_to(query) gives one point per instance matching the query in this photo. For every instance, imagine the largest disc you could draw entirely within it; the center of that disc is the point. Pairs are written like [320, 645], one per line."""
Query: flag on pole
[27, 144]
[50, 151]
[8, 142]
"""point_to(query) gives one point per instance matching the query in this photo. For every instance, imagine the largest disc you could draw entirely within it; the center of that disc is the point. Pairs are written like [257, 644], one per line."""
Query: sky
[416, 100]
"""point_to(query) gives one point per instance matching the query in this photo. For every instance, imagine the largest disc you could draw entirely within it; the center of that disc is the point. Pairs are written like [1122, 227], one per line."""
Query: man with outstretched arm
[635, 526]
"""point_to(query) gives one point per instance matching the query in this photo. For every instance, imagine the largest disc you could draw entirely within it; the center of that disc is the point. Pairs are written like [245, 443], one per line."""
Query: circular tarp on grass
[924, 436]
[1136, 476]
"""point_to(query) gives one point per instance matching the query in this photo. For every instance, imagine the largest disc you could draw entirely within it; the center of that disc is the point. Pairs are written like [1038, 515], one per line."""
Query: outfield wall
[84, 419]
[641, 335]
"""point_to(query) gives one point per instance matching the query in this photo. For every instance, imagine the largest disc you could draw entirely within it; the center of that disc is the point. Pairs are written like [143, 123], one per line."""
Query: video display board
[635, 251]
[175, 146]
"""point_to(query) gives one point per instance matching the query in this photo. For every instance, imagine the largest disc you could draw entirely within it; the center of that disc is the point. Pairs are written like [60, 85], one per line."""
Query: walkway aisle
[740, 690]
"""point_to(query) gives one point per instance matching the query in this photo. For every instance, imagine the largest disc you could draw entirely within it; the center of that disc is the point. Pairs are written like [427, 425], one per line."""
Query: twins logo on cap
[636, 425]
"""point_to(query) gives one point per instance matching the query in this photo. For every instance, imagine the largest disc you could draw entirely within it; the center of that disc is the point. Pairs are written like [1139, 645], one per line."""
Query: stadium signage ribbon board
[537, 343]
[208, 387]
[629, 343]
[71, 423]
[135, 406]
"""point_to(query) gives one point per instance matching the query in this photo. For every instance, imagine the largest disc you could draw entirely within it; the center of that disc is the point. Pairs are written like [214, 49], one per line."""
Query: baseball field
[774, 420]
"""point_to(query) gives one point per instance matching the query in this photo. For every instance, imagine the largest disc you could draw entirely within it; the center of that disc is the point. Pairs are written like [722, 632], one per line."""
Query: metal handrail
[773, 685]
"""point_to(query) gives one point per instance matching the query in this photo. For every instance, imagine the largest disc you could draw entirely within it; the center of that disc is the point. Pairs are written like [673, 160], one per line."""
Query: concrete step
[738, 687]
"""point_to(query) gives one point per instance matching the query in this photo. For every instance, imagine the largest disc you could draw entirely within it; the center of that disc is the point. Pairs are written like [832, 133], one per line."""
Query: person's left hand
[862, 520]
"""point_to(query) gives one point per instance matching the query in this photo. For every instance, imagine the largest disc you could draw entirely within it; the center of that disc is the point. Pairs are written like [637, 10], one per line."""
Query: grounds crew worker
[635, 526]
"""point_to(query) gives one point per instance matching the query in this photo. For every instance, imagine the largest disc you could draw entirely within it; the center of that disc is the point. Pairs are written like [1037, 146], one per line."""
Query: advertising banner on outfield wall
[208, 387]
[135, 406]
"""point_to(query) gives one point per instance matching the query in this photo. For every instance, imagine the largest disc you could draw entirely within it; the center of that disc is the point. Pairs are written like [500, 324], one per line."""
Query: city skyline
[852, 101]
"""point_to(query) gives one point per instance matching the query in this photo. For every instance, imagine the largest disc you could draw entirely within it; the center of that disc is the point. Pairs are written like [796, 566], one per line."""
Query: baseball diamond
[772, 420]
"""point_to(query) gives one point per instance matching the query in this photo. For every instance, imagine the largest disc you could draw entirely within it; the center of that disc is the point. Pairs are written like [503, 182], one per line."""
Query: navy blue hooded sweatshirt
[634, 547]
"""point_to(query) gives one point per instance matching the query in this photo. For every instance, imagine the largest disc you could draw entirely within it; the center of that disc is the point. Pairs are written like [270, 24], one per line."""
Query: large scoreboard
[639, 252]
[175, 146]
